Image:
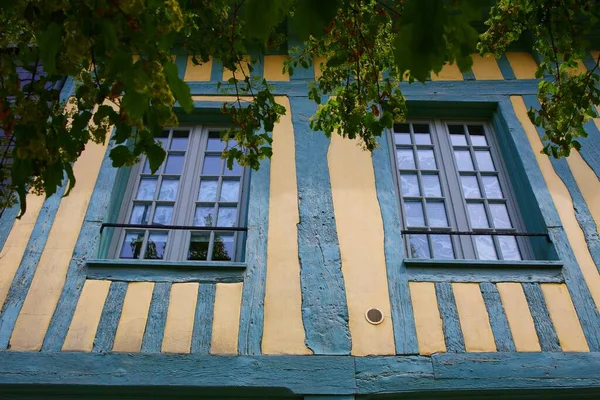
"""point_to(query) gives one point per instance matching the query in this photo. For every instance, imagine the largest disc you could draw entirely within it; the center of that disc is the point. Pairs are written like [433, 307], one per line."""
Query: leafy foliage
[119, 54]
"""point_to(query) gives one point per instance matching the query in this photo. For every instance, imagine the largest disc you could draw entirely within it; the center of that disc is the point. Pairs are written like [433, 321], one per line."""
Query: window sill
[165, 271]
[484, 271]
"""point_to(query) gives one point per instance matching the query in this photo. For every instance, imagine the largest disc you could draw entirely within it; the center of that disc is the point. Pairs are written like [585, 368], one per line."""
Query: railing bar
[175, 227]
[468, 233]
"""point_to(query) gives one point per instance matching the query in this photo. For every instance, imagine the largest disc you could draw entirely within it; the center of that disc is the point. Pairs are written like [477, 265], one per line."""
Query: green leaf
[49, 44]
[156, 155]
[180, 89]
[262, 17]
[312, 16]
[120, 156]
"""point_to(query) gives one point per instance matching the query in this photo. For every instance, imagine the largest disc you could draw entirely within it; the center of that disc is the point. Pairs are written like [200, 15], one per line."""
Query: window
[192, 188]
[454, 193]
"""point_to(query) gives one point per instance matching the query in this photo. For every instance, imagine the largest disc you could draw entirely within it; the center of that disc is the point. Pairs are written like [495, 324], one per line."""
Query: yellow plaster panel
[519, 318]
[16, 242]
[522, 64]
[317, 61]
[274, 68]
[563, 202]
[588, 183]
[49, 277]
[283, 328]
[430, 334]
[241, 71]
[564, 317]
[180, 318]
[486, 68]
[226, 320]
[363, 259]
[199, 72]
[84, 325]
[474, 318]
[132, 324]
[449, 72]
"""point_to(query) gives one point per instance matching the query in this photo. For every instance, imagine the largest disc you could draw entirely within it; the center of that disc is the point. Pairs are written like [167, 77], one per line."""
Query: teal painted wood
[590, 62]
[24, 275]
[468, 76]
[541, 318]
[6, 222]
[181, 63]
[505, 68]
[203, 319]
[305, 74]
[405, 335]
[109, 320]
[590, 147]
[328, 397]
[324, 307]
[157, 318]
[498, 321]
[216, 74]
[253, 292]
[455, 341]
[86, 247]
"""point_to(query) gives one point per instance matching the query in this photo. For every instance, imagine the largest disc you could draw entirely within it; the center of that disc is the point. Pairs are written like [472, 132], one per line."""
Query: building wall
[323, 248]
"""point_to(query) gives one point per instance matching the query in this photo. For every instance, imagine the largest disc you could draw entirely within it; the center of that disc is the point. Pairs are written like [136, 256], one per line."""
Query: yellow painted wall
[273, 68]
[474, 318]
[130, 331]
[519, 318]
[197, 72]
[564, 317]
[242, 70]
[449, 72]
[180, 318]
[226, 320]
[486, 68]
[428, 322]
[522, 64]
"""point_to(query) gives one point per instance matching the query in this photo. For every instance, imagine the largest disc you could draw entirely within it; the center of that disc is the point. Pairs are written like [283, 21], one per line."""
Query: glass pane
[442, 247]
[492, 187]
[463, 160]
[406, 159]
[456, 129]
[477, 135]
[422, 138]
[419, 248]
[163, 215]
[431, 185]
[157, 242]
[458, 140]
[484, 160]
[223, 247]
[146, 189]
[230, 191]
[140, 214]
[174, 164]
[477, 215]
[180, 140]
[199, 243]
[146, 169]
[509, 248]
[470, 186]
[132, 245]
[421, 128]
[436, 213]
[208, 190]
[227, 216]
[204, 216]
[168, 189]
[485, 248]
[402, 138]
[500, 216]
[214, 142]
[409, 185]
[212, 165]
[401, 128]
[236, 169]
[426, 159]
[162, 139]
[414, 213]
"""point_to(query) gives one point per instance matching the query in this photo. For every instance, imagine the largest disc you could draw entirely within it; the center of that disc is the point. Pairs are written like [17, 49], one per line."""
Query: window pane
[477, 135]
[168, 189]
[431, 185]
[163, 215]
[492, 187]
[146, 169]
[500, 216]
[208, 190]
[204, 216]
[404, 128]
[484, 160]
[212, 165]
[485, 248]
[422, 138]
[463, 160]
[157, 242]
[456, 129]
[436, 213]
[458, 140]
[477, 215]
[146, 189]
[419, 247]
[236, 169]
[230, 191]
[214, 142]
[140, 214]
[509, 248]
[199, 243]
[163, 138]
[132, 245]
[180, 140]
[414, 213]
[426, 159]
[223, 247]
[406, 159]
[442, 247]
[402, 138]
[227, 216]
[470, 186]
[409, 185]
[421, 128]
[174, 164]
